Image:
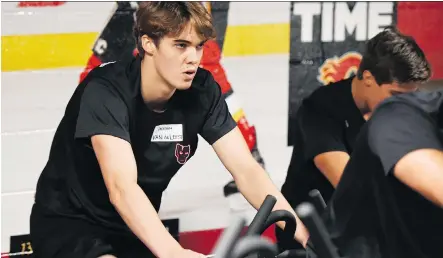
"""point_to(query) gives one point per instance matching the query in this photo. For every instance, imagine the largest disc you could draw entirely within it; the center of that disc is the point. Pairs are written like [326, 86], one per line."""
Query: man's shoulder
[120, 77]
[327, 99]
[428, 102]
[113, 69]
[384, 119]
[203, 80]
[335, 88]
[201, 95]
[411, 113]
[409, 106]
[204, 88]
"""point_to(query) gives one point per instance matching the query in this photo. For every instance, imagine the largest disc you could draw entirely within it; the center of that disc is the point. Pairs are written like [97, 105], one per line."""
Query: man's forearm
[138, 213]
[256, 185]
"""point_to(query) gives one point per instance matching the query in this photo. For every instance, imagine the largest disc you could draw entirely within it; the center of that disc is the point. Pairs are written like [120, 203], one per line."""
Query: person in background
[389, 202]
[329, 120]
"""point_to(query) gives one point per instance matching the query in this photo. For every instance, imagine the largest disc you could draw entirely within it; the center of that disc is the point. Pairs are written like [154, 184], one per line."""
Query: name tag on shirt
[168, 133]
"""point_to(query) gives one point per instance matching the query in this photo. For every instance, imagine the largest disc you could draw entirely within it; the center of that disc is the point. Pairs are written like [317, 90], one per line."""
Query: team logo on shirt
[338, 68]
[182, 153]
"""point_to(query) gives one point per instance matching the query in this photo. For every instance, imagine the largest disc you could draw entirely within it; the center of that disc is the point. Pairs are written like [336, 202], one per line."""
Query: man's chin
[184, 85]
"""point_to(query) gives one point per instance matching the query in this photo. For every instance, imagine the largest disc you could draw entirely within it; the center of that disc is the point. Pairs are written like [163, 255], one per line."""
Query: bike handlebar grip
[318, 233]
[282, 215]
[254, 244]
[228, 239]
[317, 200]
[262, 214]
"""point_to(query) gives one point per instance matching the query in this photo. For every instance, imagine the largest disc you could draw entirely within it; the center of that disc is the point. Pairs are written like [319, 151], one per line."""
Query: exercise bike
[233, 245]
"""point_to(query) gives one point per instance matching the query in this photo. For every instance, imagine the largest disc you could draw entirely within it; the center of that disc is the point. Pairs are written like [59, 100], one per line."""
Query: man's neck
[359, 97]
[154, 89]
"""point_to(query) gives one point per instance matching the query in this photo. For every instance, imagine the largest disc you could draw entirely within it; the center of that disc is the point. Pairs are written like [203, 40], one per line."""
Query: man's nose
[192, 57]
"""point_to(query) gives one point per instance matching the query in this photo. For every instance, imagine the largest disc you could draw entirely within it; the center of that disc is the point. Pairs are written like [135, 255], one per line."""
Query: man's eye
[181, 45]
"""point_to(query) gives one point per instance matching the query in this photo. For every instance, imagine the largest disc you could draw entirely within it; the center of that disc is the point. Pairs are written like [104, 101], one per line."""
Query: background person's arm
[322, 138]
[422, 170]
[332, 164]
[406, 141]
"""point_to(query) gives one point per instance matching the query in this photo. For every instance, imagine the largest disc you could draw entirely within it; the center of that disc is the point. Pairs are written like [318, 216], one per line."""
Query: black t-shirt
[327, 120]
[109, 102]
[372, 214]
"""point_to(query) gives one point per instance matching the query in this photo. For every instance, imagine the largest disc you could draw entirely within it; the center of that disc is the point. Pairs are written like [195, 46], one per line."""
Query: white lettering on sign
[168, 133]
[364, 21]
[307, 11]
[350, 21]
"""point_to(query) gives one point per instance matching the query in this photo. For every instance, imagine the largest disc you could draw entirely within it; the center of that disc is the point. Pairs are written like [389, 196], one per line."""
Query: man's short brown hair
[159, 19]
[392, 56]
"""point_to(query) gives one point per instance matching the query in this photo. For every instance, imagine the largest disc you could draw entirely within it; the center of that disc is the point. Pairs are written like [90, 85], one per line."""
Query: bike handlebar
[317, 200]
[282, 215]
[230, 245]
[256, 226]
[318, 234]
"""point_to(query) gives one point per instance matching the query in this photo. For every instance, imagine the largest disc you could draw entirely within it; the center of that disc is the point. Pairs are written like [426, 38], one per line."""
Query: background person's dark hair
[159, 19]
[394, 57]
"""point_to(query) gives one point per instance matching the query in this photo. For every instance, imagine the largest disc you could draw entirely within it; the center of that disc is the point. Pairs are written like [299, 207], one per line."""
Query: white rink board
[94, 15]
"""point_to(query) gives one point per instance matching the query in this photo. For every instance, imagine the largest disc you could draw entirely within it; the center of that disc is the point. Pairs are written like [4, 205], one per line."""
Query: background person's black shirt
[328, 120]
[372, 214]
[109, 102]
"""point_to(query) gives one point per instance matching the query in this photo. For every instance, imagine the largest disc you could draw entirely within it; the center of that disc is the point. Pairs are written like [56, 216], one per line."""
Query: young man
[115, 43]
[127, 130]
[329, 120]
[389, 202]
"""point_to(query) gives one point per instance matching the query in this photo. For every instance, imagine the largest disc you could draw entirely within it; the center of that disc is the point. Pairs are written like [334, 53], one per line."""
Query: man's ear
[148, 45]
[368, 79]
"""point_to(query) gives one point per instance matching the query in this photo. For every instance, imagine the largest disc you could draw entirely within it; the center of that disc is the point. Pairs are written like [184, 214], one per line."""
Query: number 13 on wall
[26, 247]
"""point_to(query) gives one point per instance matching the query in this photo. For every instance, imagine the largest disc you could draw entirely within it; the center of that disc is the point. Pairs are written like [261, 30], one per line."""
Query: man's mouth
[190, 72]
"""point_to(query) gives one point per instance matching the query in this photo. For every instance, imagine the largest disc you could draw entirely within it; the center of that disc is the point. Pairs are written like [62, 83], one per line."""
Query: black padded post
[262, 215]
[317, 200]
[317, 230]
